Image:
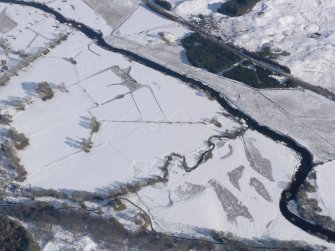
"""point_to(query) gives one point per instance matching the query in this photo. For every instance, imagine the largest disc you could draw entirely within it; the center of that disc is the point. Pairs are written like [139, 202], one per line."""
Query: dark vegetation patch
[118, 205]
[5, 119]
[14, 237]
[257, 77]
[164, 4]
[95, 125]
[309, 208]
[234, 8]
[19, 139]
[11, 161]
[9, 153]
[110, 234]
[44, 91]
[205, 54]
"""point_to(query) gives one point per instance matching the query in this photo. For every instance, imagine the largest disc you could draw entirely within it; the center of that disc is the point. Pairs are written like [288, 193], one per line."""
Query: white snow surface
[203, 209]
[194, 7]
[136, 131]
[325, 181]
[65, 240]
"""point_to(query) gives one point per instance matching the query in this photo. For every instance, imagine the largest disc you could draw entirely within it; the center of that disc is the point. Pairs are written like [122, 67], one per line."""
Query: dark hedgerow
[164, 4]
[234, 8]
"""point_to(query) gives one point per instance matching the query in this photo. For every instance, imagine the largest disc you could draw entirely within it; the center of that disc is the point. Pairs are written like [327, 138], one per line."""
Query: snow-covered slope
[305, 30]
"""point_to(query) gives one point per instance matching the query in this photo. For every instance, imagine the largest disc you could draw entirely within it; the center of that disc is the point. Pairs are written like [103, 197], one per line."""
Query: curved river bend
[306, 163]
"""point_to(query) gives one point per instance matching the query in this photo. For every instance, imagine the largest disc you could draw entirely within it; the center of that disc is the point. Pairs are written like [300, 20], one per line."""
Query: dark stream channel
[306, 164]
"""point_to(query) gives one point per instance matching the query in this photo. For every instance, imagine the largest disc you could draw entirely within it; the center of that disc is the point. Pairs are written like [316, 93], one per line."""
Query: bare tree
[5, 119]
[87, 144]
[95, 125]
[20, 140]
[72, 61]
[44, 91]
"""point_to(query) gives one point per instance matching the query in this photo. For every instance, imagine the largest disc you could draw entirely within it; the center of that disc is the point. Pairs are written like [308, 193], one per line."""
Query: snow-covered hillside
[303, 30]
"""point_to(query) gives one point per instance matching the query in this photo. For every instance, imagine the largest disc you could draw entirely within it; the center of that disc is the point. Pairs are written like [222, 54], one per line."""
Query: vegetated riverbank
[306, 164]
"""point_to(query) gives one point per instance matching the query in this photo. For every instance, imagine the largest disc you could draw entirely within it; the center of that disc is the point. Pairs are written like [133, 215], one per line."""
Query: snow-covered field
[145, 116]
[267, 107]
[219, 194]
[139, 127]
[25, 37]
[325, 188]
[281, 25]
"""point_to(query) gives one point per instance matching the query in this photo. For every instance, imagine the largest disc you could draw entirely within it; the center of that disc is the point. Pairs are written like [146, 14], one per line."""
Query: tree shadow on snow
[11, 101]
[73, 142]
[30, 88]
[85, 122]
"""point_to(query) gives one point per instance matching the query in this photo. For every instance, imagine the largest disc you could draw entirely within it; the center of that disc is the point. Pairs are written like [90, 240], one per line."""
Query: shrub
[44, 91]
[257, 77]
[72, 61]
[95, 125]
[14, 237]
[13, 162]
[20, 140]
[203, 53]
[5, 119]
[87, 145]
[118, 205]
